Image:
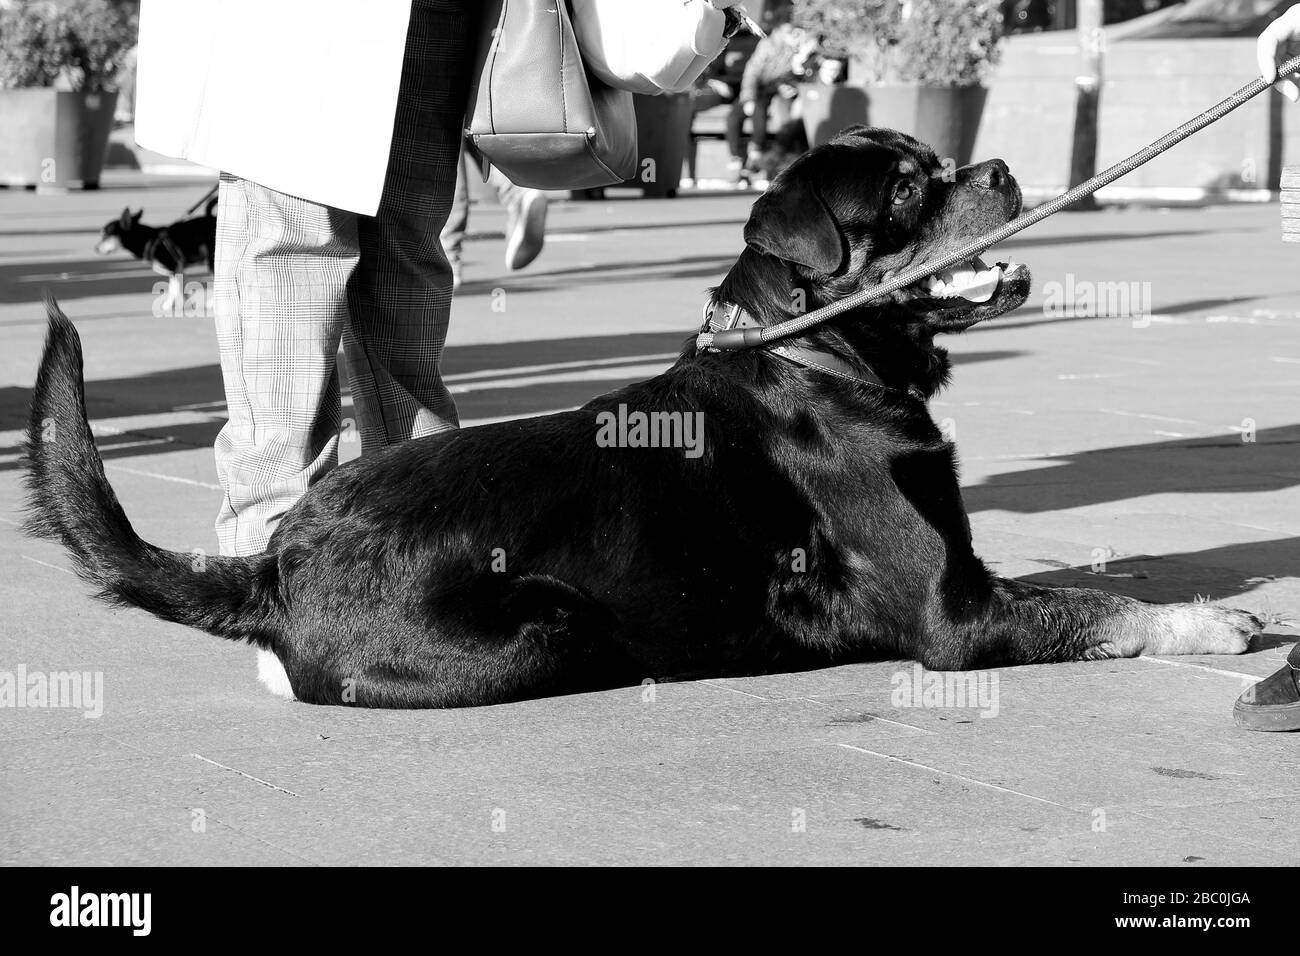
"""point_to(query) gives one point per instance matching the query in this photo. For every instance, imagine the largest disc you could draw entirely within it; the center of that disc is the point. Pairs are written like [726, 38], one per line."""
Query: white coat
[300, 95]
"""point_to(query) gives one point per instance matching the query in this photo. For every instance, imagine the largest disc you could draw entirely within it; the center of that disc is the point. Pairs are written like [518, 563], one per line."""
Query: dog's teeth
[977, 285]
[974, 281]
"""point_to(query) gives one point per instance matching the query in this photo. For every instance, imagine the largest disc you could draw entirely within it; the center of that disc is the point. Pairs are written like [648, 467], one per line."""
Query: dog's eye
[903, 192]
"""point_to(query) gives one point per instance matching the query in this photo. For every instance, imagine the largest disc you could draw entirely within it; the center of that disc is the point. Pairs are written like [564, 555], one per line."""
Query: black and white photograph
[630, 433]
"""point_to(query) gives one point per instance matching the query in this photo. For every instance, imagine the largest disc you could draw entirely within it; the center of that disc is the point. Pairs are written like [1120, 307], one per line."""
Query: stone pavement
[1153, 455]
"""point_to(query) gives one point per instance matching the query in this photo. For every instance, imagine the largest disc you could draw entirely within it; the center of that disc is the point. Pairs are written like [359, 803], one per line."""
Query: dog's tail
[70, 499]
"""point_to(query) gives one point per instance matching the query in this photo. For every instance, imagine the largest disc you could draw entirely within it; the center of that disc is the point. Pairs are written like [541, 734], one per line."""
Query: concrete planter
[54, 138]
[663, 133]
[945, 117]
[826, 110]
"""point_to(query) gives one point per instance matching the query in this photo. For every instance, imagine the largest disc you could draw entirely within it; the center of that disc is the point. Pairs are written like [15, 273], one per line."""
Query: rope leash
[735, 339]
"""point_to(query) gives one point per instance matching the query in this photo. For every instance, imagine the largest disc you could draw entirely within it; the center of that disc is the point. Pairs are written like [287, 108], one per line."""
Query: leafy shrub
[932, 42]
[84, 41]
[31, 46]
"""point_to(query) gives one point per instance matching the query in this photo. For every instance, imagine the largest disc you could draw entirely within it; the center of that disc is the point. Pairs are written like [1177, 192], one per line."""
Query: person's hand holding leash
[1278, 43]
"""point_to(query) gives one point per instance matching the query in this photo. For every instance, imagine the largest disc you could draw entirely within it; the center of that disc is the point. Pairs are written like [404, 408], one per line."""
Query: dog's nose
[992, 174]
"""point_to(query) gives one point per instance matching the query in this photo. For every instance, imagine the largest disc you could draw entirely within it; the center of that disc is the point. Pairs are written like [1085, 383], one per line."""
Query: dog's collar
[728, 315]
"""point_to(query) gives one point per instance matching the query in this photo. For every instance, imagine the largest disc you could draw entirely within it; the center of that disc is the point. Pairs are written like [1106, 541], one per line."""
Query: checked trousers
[294, 278]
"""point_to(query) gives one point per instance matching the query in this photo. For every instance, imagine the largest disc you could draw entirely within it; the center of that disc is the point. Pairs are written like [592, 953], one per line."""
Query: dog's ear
[126, 221]
[791, 221]
[136, 216]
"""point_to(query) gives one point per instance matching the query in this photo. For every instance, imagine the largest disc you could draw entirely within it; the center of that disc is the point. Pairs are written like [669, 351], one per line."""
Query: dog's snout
[991, 174]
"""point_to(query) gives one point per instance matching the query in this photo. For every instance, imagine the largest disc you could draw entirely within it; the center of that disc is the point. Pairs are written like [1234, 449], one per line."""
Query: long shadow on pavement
[27, 281]
[1214, 464]
[198, 389]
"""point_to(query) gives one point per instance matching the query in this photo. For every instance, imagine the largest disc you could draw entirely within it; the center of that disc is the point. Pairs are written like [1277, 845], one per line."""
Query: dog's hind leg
[1020, 623]
[175, 294]
[167, 308]
[487, 639]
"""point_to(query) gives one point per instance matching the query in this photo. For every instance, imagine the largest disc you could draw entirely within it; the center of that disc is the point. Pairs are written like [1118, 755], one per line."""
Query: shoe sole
[1267, 717]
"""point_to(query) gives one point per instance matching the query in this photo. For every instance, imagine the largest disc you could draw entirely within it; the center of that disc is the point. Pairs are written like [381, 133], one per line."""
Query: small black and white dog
[816, 521]
[169, 249]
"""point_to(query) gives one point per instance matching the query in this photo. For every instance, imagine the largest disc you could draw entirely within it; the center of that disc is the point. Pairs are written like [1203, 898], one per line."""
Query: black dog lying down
[818, 522]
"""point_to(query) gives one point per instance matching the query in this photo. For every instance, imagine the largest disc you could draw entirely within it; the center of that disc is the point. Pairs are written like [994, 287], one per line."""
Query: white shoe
[528, 230]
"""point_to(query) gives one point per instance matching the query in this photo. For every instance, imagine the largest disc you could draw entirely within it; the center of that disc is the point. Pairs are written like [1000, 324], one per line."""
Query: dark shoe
[1273, 703]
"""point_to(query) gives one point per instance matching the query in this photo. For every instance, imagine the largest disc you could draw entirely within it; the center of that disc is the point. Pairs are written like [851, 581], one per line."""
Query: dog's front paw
[1203, 629]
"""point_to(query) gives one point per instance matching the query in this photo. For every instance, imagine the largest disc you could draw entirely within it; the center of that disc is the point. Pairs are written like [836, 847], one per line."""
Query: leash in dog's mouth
[970, 283]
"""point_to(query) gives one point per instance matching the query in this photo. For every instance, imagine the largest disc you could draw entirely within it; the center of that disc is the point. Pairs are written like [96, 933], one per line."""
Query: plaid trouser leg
[282, 268]
[399, 299]
[292, 277]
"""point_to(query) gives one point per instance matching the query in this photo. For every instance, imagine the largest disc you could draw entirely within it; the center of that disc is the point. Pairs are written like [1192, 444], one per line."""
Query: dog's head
[110, 237]
[874, 202]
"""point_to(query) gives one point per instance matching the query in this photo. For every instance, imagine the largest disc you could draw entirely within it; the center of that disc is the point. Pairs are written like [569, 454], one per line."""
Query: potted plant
[919, 64]
[57, 61]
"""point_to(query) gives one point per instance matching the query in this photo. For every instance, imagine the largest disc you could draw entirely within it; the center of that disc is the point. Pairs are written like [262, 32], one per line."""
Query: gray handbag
[534, 111]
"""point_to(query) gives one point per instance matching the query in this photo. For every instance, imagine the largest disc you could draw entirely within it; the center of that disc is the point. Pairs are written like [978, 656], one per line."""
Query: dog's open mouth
[972, 280]
[970, 292]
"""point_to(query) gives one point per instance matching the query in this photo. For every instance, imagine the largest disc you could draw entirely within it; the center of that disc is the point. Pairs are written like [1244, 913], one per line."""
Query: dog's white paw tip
[1198, 629]
[1224, 630]
[1243, 626]
[272, 674]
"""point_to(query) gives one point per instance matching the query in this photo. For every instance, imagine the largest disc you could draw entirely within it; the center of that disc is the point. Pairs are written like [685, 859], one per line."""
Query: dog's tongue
[973, 281]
